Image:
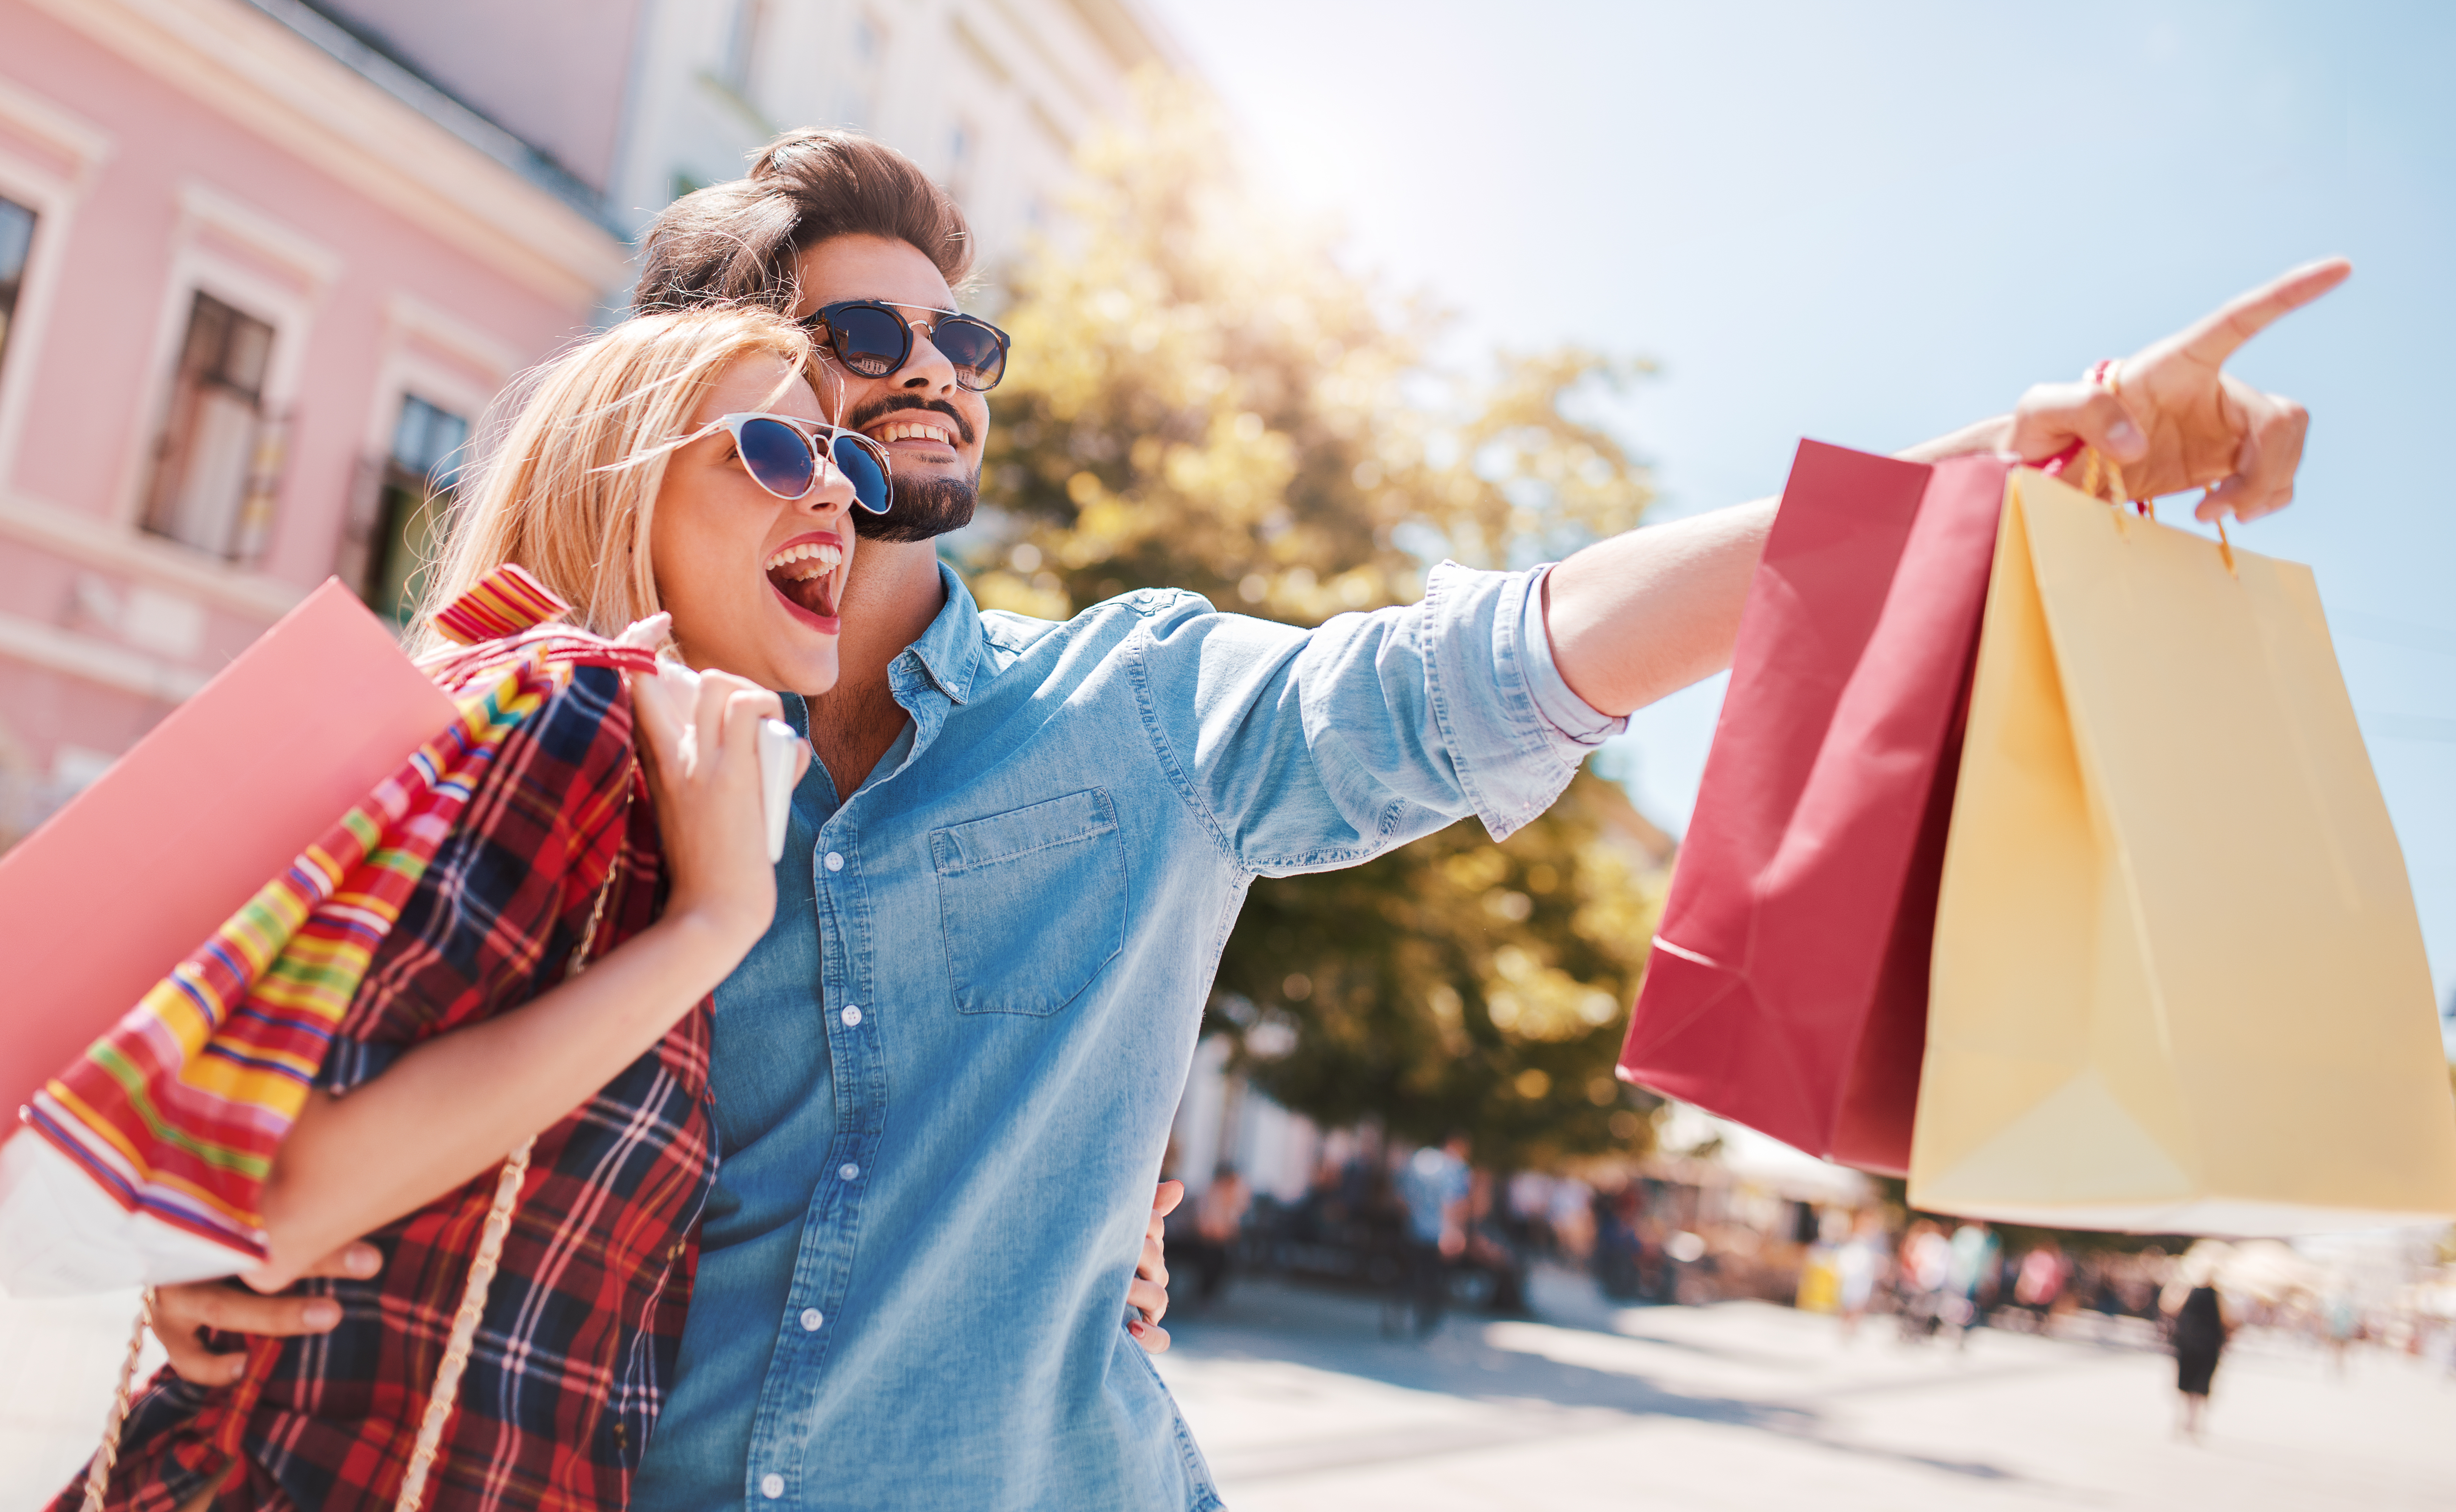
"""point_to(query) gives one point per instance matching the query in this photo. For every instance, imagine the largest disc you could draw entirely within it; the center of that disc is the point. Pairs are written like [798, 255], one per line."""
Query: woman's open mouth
[807, 574]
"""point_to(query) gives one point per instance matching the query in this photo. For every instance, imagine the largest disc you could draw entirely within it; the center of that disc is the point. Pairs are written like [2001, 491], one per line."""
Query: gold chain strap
[98, 1476]
[482, 1271]
[464, 1329]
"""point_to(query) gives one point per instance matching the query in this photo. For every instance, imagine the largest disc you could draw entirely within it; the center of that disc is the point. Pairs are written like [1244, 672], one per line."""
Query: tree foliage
[1203, 398]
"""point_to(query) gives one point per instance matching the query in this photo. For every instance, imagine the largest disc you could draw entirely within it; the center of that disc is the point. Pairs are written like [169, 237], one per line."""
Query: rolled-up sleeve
[1304, 750]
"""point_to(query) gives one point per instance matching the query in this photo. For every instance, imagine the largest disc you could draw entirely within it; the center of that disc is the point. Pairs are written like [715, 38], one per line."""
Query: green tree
[1203, 398]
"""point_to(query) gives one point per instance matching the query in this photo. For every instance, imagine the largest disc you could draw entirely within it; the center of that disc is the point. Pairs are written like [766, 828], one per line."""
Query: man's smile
[905, 425]
[913, 430]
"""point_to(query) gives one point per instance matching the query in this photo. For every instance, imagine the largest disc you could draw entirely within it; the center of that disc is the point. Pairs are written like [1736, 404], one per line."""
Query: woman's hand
[703, 764]
[2175, 421]
[184, 1314]
[456, 1103]
[1148, 1293]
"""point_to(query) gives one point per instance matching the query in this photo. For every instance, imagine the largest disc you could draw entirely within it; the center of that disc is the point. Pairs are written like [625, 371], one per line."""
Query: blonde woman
[674, 481]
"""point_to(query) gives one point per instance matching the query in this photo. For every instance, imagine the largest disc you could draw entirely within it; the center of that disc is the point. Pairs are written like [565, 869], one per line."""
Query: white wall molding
[92, 543]
[62, 129]
[412, 316]
[97, 660]
[251, 67]
[200, 203]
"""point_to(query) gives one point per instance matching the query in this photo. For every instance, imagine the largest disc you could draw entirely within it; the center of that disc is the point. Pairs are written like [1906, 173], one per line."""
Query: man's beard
[921, 509]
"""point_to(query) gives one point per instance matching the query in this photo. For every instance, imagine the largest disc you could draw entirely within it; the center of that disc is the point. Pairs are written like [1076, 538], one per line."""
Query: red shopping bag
[1787, 989]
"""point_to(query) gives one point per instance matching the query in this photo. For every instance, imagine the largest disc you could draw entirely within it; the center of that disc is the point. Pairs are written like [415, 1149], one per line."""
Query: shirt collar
[949, 652]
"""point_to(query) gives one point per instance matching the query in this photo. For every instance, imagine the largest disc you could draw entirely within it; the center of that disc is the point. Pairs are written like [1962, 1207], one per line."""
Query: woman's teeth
[809, 560]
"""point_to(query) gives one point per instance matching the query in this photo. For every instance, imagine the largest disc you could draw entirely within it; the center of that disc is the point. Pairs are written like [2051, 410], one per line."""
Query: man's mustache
[872, 413]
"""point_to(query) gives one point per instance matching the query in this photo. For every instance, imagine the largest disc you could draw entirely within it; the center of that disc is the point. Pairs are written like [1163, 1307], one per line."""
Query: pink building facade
[255, 282]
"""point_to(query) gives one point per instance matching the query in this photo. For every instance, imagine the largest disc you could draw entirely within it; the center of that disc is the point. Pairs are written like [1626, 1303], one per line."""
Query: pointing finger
[2218, 337]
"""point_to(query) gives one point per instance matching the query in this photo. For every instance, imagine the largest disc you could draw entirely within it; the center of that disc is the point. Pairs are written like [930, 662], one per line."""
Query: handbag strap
[98, 1475]
[482, 1269]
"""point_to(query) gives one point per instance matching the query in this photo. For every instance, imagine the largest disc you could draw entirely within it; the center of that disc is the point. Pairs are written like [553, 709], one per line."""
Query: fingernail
[363, 1259]
[238, 1368]
[1136, 1328]
[322, 1313]
[2123, 436]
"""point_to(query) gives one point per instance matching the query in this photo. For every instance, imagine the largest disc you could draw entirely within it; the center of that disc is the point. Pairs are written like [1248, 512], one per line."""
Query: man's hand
[182, 1314]
[2175, 419]
[1148, 1295]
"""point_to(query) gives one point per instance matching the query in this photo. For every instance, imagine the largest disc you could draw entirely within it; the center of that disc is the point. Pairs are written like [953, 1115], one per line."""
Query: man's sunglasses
[782, 454]
[875, 339]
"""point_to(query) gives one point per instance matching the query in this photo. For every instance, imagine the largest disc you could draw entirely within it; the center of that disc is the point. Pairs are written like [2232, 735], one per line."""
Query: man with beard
[944, 1080]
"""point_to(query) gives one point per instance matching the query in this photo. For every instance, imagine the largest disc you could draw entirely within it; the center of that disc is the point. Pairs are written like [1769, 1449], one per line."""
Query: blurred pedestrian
[2039, 1282]
[1859, 1267]
[1434, 1185]
[1970, 1278]
[1530, 1213]
[1573, 1218]
[2340, 1319]
[2199, 1336]
[1923, 1267]
[1218, 1221]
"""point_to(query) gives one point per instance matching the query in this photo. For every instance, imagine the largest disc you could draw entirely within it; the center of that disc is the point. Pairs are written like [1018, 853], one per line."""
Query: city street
[1302, 1405]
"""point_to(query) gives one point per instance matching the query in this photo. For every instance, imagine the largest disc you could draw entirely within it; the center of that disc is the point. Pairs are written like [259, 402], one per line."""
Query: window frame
[429, 355]
[54, 193]
[288, 305]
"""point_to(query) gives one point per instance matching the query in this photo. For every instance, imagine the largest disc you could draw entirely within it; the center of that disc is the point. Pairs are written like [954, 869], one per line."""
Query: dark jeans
[1428, 1284]
[1208, 1263]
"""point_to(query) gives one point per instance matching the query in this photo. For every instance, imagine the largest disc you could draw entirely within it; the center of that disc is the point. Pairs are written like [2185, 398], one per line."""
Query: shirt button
[771, 1485]
[835, 862]
[852, 1015]
[811, 1318]
[849, 1171]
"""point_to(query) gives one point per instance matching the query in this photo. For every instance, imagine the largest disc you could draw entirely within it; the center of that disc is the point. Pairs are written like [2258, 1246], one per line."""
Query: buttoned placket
[780, 1441]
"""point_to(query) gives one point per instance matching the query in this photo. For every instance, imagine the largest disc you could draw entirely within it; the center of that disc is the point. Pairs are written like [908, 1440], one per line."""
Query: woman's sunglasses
[782, 454]
[874, 341]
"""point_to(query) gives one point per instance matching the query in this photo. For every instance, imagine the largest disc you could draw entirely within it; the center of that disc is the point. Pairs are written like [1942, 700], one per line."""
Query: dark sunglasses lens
[973, 347]
[778, 457]
[871, 342]
[859, 463]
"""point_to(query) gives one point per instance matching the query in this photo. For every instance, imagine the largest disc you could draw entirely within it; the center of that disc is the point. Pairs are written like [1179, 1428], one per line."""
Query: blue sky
[1871, 223]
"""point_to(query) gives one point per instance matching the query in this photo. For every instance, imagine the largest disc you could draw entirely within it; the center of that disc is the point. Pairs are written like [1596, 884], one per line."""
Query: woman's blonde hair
[566, 480]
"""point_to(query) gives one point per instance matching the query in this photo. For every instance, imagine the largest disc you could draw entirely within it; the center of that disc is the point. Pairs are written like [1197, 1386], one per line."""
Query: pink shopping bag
[99, 904]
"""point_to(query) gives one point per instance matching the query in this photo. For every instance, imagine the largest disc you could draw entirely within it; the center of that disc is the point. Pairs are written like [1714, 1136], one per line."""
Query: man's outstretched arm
[1648, 613]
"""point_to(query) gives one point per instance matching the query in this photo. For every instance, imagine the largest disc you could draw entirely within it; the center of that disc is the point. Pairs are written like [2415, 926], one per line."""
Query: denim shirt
[944, 1078]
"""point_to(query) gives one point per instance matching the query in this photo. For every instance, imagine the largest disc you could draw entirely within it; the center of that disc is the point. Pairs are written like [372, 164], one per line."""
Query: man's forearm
[1648, 613]
[1984, 436]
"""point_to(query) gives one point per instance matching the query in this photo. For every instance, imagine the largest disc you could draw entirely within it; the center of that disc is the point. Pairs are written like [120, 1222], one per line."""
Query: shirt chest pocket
[1032, 903]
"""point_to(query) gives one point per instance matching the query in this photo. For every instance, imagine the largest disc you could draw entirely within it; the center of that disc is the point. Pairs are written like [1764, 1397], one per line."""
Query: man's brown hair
[742, 242]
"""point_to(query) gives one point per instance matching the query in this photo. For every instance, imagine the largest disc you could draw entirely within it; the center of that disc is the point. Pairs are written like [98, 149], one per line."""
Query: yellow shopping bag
[2179, 983]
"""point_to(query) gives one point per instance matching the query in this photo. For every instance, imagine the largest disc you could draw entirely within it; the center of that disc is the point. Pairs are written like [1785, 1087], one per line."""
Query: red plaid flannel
[584, 1321]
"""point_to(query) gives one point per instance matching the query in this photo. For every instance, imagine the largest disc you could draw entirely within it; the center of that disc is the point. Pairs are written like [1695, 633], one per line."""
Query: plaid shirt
[580, 1327]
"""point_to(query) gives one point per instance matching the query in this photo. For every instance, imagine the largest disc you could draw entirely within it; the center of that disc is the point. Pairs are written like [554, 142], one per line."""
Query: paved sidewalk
[58, 1361]
[1302, 1405]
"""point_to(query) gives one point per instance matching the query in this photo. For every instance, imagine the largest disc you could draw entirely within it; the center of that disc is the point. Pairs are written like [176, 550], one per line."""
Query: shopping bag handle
[2101, 477]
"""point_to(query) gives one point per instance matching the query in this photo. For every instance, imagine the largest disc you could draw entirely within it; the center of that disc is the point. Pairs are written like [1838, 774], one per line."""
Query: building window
[855, 103]
[743, 43]
[16, 239]
[400, 529]
[961, 147]
[220, 455]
